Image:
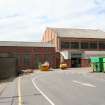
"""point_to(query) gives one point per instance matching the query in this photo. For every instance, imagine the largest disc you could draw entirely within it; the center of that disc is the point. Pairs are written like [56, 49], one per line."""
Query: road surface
[55, 88]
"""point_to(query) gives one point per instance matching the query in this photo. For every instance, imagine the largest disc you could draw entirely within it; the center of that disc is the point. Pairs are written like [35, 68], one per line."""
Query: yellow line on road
[19, 92]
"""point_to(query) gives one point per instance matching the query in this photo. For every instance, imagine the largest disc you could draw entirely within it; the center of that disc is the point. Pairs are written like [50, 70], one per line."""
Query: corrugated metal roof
[25, 44]
[79, 33]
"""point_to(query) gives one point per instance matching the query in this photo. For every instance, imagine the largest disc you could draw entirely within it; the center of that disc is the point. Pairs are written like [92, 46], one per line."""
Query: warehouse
[24, 55]
[76, 46]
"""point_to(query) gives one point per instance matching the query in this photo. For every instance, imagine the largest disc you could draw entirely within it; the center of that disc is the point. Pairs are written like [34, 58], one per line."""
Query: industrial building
[76, 46]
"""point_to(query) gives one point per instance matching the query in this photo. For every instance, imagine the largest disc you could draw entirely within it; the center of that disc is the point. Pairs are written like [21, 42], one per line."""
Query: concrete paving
[2, 87]
[8, 95]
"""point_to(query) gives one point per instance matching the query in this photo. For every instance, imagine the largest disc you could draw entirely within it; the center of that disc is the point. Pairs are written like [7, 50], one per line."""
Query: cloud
[27, 19]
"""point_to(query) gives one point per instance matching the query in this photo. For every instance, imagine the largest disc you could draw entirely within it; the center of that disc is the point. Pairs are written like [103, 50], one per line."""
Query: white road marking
[42, 93]
[84, 84]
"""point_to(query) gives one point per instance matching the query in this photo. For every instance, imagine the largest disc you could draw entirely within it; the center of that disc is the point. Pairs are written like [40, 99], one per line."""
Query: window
[26, 59]
[84, 45]
[74, 45]
[101, 45]
[37, 60]
[17, 56]
[93, 45]
[65, 45]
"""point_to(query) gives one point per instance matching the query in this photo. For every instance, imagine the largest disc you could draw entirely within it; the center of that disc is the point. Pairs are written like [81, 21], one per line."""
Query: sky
[26, 20]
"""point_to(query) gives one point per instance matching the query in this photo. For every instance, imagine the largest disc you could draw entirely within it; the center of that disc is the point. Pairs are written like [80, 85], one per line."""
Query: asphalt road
[55, 88]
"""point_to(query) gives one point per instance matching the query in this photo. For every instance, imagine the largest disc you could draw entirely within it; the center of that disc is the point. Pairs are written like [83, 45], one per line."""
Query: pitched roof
[25, 44]
[79, 33]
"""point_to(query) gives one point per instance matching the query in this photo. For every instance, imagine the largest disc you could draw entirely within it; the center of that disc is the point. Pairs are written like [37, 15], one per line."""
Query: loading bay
[57, 87]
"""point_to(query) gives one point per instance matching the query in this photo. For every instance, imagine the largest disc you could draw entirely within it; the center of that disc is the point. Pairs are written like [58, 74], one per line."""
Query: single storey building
[28, 54]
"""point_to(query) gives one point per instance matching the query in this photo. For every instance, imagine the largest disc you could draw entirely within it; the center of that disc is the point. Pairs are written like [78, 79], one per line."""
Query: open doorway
[75, 62]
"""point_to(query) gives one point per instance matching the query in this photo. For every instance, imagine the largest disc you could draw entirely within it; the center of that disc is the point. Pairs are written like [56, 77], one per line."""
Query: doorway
[75, 62]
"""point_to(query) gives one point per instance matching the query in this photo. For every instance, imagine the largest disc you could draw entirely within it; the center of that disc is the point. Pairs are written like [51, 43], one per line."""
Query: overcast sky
[26, 20]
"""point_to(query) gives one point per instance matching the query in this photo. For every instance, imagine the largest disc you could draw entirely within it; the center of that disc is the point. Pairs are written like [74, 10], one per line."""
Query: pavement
[2, 87]
[58, 87]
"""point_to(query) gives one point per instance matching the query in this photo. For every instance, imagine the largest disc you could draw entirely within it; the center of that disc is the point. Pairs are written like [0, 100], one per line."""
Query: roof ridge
[22, 41]
[26, 44]
[79, 33]
[67, 28]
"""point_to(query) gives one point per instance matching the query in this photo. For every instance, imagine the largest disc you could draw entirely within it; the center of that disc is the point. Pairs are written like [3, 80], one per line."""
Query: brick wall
[68, 62]
[44, 53]
[85, 63]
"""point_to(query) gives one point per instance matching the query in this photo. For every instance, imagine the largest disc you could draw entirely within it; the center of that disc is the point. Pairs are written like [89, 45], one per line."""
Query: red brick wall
[48, 35]
[51, 36]
[57, 62]
[42, 51]
[68, 62]
[85, 63]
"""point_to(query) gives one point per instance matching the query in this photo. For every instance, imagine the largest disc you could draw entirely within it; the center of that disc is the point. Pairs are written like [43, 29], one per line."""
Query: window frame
[91, 45]
[83, 43]
[65, 45]
[74, 46]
